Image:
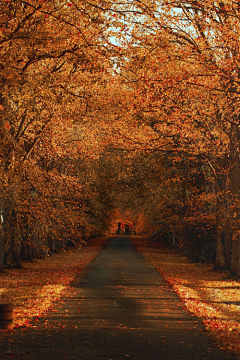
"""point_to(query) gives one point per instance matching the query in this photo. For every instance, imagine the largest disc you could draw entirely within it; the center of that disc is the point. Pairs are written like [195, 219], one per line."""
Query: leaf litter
[206, 293]
[34, 289]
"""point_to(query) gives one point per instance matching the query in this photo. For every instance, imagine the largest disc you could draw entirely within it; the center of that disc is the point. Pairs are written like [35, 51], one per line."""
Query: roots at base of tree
[220, 267]
[14, 265]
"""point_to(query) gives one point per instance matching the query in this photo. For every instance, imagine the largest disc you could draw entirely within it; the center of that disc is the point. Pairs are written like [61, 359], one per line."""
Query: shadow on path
[119, 309]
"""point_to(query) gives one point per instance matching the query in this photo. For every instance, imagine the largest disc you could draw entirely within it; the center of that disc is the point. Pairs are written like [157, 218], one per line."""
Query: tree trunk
[173, 239]
[12, 240]
[235, 264]
[220, 258]
[234, 177]
[228, 206]
[1, 253]
[223, 258]
[1, 241]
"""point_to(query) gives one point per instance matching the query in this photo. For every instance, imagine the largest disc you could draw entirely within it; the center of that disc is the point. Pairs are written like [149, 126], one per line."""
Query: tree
[51, 61]
[87, 85]
[184, 75]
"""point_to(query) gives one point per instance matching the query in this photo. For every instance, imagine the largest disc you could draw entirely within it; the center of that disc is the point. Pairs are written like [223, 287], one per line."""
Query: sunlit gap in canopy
[130, 22]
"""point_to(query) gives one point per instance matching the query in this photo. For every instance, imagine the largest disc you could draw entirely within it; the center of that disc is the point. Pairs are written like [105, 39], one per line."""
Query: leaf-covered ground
[34, 289]
[206, 293]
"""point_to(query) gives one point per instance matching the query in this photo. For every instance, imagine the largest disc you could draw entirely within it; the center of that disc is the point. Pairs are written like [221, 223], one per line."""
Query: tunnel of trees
[114, 110]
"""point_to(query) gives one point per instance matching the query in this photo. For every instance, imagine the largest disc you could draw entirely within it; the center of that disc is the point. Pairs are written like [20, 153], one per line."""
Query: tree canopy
[120, 109]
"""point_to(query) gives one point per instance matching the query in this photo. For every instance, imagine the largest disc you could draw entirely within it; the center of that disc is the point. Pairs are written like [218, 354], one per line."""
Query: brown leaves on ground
[33, 289]
[206, 293]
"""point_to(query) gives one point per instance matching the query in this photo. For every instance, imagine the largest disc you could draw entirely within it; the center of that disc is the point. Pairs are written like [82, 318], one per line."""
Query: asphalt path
[120, 308]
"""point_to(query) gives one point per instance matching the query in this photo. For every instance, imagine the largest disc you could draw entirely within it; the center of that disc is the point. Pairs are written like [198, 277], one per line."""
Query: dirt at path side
[121, 308]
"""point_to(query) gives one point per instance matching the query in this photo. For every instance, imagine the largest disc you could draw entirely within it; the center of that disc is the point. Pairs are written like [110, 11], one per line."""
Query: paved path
[120, 309]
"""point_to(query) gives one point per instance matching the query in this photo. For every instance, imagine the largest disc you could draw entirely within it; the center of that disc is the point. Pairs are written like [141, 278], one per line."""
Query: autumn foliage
[131, 106]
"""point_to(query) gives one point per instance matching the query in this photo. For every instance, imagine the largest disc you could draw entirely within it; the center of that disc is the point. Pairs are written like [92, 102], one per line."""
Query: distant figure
[119, 229]
[127, 231]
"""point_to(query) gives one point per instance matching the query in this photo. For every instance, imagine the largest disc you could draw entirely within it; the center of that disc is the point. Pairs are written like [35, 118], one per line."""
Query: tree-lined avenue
[119, 308]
